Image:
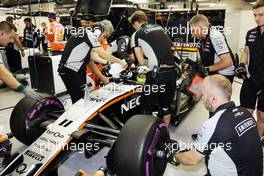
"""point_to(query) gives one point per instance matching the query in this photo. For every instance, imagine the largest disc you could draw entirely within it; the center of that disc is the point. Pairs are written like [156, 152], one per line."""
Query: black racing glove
[204, 71]
[171, 148]
[241, 71]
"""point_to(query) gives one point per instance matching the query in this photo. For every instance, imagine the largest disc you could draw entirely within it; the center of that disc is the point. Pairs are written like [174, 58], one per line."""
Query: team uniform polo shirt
[76, 54]
[156, 45]
[230, 142]
[255, 42]
[212, 47]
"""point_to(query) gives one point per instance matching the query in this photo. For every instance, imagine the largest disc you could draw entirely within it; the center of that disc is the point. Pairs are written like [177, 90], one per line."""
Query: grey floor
[182, 133]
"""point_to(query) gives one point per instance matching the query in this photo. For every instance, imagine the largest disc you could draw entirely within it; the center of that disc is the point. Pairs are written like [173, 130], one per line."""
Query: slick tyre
[27, 116]
[135, 147]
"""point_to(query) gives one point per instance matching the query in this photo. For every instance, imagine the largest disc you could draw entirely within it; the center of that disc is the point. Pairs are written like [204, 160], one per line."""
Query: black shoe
[194, 136]
[262, 141]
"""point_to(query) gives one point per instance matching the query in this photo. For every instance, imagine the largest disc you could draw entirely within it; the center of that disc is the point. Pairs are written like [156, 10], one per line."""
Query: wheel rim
[156, 166]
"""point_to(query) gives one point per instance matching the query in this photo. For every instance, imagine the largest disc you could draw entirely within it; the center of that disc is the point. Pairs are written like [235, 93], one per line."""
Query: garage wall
[239, 17]
[46, 7]
[247, 22]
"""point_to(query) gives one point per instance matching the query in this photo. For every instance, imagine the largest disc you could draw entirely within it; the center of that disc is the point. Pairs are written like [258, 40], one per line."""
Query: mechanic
[30, 34]
[76, 55]
[12, 50]
[216, 55]
[252, 57]
[150, 41]
[229, 140]
[7, 36]
[55, 34]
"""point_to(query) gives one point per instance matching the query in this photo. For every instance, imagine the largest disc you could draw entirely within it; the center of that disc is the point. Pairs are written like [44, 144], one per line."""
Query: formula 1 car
[108, 116]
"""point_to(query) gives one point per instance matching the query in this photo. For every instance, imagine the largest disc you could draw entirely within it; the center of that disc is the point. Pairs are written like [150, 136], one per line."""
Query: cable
[6, 108]
[194, 2]
[119, 23]
[169, 17]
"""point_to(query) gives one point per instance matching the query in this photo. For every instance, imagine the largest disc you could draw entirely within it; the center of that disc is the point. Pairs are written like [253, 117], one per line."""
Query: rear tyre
[134, 152]
[27, 116]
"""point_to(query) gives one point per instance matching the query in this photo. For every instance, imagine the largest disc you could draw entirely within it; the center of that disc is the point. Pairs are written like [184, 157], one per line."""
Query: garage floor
[182, 133]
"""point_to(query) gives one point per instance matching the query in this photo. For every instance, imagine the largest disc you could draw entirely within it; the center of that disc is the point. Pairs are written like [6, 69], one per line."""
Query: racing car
[108, 116]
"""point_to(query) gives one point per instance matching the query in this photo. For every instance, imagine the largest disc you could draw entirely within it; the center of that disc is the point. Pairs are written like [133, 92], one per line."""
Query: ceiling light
[138, 1]
[212, 4]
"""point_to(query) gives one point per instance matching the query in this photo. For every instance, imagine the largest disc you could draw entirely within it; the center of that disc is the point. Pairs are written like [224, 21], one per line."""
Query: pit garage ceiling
[12, 3]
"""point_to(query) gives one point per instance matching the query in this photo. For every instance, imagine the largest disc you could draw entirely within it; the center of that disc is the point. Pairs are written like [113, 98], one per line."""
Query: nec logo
[130, 104]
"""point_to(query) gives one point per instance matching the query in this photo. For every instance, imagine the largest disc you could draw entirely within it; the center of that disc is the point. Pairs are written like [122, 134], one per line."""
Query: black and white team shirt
[1, 59]
[30, 36]
[255, 43]
[212, 47]
[76, 54]
[230, 142]
[155, 44]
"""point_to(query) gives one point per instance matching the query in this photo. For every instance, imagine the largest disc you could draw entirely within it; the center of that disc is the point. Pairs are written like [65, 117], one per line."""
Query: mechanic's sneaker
[194, 136]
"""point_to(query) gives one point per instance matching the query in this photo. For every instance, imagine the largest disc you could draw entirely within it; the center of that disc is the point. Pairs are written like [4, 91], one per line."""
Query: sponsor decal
[53, 142]
[34, 155]
[21, 169]
[43, 139]
[244, 126]
[239, 114]
[97, 99]
[65, 123]
[186, 45]
[130, 104]
[55, 134]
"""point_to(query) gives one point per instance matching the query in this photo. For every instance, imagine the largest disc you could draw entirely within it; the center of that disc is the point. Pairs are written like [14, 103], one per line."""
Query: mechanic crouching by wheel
[76, 55]
[216, 55]
[229, 140]
[7, 36]
[150, 41]
[253, 57]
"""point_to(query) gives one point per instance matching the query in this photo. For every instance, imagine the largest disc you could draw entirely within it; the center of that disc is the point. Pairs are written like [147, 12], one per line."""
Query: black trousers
[159, 92]
[13, 59]
[74, 82]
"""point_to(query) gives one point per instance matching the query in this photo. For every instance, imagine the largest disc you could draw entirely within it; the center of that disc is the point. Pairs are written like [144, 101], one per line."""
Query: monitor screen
[93, 7]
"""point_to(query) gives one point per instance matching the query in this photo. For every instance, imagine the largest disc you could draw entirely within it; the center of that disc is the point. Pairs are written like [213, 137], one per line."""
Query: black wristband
[20, 88]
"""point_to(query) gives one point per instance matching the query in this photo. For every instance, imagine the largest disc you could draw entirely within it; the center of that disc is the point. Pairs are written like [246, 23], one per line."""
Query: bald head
[218, 84]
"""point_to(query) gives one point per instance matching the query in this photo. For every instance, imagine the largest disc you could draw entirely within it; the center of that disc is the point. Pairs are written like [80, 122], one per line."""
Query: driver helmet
[142, 71]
